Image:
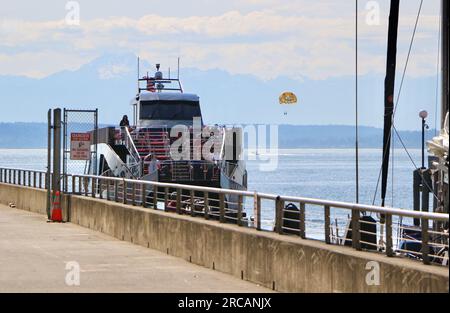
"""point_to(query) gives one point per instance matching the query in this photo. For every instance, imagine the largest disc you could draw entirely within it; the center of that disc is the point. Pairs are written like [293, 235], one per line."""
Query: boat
[170, 143]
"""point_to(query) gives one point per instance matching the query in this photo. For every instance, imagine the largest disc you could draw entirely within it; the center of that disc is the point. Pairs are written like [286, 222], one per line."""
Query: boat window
[169, 110]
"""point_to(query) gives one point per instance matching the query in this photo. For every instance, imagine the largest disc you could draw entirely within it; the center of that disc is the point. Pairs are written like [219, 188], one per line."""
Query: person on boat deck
[124, 123]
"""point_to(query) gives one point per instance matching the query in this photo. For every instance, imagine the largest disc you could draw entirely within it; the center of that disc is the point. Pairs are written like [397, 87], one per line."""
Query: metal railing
[287, 215]
[25, 177]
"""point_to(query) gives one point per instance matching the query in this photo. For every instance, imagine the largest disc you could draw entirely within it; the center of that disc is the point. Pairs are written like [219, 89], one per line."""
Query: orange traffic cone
[56, 211]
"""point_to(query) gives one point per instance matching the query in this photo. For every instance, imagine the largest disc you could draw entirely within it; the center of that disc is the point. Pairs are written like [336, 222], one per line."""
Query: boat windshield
[169, 110]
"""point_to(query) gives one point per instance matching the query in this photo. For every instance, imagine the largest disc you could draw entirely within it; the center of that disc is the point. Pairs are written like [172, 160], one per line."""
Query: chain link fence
[79, 122]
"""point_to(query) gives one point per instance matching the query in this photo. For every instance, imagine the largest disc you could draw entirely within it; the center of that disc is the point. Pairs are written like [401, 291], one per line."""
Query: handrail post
[222, 207]
[73, 184]
[257, 205]
[29, 178]
[155, 197]
[302, 216]
[279, 206]
[425, 238]
[178, 201]
[100, 188]
[116, 191]
[133, 194]
[144, 195]
[34, 179]
[86, 186]
[94, 183]
[108, 196]
[206, 204]
[166, 198]
[125, 192]
[388, 221]
[239, 212]
[192, 202]
[356, 235]
[327, 224]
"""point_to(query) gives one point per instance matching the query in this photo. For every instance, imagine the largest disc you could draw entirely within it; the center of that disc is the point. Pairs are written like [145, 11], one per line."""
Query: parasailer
[287, 98]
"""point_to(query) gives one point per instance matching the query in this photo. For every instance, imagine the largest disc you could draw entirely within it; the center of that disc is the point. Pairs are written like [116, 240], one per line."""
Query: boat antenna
[138, 74]
[178, 77]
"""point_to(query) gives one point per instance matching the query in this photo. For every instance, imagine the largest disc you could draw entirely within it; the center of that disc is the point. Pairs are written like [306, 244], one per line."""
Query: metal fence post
[192, 202]
[144, 195]
[388, 221]
[257, 204]
[425, 238]
[133, 193]
[125, 192]
[302, 215]
[166, 198]
[356, 235]
[108, 196]
[86, 186]
[206, 204]
[100, 188]
[327, 224]
[279, 206]
[155, 197]
[116, 191]
[222, 208]
[239, 212]
[178, 200]
[94, 187]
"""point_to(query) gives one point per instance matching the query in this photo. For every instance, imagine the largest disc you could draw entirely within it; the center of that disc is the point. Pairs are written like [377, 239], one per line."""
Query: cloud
[267, 42]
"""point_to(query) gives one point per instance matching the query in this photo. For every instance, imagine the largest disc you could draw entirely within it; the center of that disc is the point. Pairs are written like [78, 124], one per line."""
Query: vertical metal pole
[257, 204]
[356, 104]
[389, 250]
[49, 164]
[279, 205]
[155, 197]
[133, 193]
[166, 198]
[356, 235]
[144, 195]
[179, 200]
[239, 212]
[425, 238]
[445, 59]
[423, 143]
[302, 221]
[192, 203]
[222, 207]
[327, 224]
[206, 204]
[56, 181]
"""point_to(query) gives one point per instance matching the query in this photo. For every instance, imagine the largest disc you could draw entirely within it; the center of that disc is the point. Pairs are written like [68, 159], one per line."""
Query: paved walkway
[34, 255]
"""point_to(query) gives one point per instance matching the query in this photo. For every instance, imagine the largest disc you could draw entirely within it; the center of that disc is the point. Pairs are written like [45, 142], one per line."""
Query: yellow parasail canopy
[288, 98]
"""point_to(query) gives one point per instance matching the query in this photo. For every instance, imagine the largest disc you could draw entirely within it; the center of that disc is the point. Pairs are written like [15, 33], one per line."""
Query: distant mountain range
[34, 135]
[109, 83]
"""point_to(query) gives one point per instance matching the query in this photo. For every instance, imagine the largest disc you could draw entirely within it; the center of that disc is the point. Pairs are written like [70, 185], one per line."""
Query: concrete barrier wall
[284, 263]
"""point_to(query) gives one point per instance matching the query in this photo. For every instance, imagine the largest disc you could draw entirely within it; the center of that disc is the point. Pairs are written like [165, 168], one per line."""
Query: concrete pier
[280, 262]
[34, 254]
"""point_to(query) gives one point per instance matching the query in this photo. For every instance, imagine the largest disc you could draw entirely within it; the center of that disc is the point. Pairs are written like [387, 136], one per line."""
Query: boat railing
[395, 232]
[129, 143]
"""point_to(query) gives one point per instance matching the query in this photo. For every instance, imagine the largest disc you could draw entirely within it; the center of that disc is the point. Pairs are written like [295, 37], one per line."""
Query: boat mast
[445, 59]
[389, 87]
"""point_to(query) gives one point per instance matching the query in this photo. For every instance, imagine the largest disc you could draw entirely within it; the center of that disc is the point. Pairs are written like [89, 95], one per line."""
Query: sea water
[313, 173]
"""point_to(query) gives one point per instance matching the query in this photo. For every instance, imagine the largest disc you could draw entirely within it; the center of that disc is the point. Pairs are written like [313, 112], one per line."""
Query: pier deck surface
[33, 256]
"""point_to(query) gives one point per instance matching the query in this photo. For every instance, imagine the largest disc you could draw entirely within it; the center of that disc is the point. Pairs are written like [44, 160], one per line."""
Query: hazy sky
[267, 38]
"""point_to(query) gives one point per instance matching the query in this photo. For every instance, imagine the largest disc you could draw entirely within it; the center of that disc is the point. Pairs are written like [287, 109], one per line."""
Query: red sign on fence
[80, 146]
